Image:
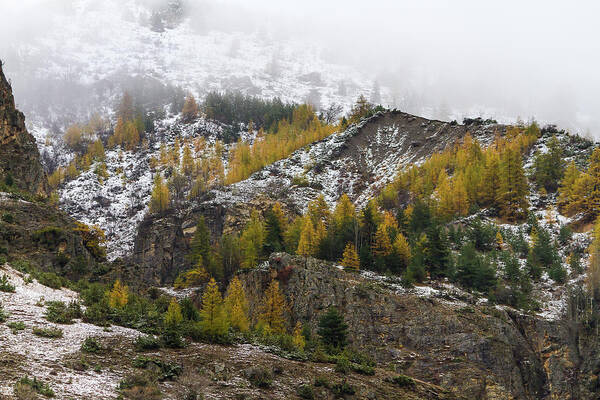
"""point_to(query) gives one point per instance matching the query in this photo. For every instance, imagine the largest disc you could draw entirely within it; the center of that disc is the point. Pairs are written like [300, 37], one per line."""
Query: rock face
[161, 247]
[358, 162]
[479, 352]
[19, 155]
[33, 230]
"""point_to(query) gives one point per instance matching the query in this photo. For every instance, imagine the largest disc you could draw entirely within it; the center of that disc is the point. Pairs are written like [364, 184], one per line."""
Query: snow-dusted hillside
[46, 358]
[119, 203]
[92, 51]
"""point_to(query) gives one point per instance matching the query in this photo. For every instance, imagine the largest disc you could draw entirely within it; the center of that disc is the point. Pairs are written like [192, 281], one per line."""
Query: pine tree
[473, 270]
[236, 305]
[119, 295]
[159, 201]
[252, 241]
[513, 185]
[298, 339]
[350, 259]
[549, 166]
[333, 330]
[272, 310]
[200, 254]
[275, 225]
[491, 178]
[593, 199]
[214, 322]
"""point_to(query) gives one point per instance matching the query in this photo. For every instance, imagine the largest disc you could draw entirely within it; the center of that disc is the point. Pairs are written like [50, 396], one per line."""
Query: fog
[506, 59]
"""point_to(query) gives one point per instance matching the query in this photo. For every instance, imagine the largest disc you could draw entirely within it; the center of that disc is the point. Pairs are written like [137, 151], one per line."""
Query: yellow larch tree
[307, 245]
[402, 249]
[272, 309]
[382, 246]
[350, 259]
[298, 339]
[119, 295]
[160, 195]
[187, 162]
[214, 322]
[236, 305]
[173, 316]
[190, 108]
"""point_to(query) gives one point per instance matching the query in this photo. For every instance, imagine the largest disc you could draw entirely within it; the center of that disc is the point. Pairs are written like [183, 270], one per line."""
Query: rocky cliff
[19, 156]
[30, 228]
[441, 336]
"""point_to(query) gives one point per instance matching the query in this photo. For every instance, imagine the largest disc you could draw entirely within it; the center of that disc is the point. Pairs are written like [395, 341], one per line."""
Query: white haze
[449, 58]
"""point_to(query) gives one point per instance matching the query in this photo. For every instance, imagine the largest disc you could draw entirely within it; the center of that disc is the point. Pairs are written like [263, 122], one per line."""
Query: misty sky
[517, 58]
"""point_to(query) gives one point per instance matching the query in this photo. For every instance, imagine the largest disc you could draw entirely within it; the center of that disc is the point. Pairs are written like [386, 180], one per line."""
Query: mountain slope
[359, 162]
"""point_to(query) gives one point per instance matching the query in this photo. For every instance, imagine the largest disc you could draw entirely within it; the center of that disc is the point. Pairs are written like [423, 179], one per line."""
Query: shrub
[343, 365]
[58, 312]
[3, 314]
[305, 392]
[172, 339]
[363, 369]
[8, 218]
[148, 342]
[16, 326]
[140, 386]
[91, 345]
[39, 386]
[300, 180]
[321, 381]
[97, 314]
[52, 333]
[93, 238]
[194, 277]
[49, 236]
[25, 392]
[167, 371]
[49, 279]
[342, 389]
[5, 285]
[259, 376]
[403, 381]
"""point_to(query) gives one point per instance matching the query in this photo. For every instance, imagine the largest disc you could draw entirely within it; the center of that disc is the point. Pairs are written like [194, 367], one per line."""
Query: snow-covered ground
[119, 203]
[43, 357]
